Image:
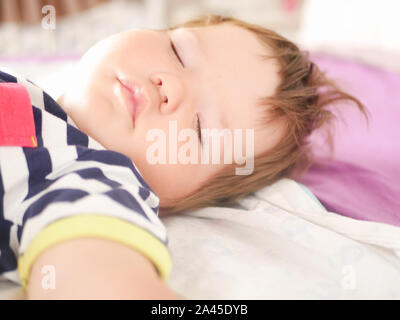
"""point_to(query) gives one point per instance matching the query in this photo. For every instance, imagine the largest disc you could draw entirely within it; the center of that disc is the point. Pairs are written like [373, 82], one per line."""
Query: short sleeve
[97, 195]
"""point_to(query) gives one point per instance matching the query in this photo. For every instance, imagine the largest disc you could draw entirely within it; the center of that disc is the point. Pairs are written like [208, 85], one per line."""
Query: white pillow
[367, 30]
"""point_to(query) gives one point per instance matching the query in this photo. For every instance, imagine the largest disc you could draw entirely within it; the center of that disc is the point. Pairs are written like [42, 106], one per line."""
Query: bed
[334, 234]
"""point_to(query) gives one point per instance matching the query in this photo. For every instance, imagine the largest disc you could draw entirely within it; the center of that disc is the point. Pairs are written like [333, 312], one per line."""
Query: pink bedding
[362, 181]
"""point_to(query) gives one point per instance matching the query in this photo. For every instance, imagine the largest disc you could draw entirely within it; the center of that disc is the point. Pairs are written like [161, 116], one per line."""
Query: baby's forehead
[243, 74]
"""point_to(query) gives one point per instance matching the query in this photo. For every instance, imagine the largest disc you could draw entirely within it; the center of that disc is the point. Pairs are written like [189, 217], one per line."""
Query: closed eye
[198, 128]
[176, 53]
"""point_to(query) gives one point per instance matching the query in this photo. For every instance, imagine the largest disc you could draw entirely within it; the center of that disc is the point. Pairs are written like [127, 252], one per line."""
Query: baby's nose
[171, 91]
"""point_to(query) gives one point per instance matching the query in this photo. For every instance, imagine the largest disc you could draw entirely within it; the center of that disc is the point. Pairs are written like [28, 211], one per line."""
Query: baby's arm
[90, 268]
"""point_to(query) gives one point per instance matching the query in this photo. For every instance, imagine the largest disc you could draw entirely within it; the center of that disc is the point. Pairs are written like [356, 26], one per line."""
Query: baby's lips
[137, 92]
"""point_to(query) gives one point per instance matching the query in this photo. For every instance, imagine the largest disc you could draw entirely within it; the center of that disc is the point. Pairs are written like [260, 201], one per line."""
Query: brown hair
[298, 100]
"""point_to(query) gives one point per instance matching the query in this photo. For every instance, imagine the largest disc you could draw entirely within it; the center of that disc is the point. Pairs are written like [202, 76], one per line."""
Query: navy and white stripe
[67, 174]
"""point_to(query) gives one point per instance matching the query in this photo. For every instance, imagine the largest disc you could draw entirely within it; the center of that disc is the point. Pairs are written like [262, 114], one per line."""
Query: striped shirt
[69, 186]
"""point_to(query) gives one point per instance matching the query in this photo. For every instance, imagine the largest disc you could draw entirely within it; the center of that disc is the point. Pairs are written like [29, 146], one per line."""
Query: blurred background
[80, 23]
[39, 38]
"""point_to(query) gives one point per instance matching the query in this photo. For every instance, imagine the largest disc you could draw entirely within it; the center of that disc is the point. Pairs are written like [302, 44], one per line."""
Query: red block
[17, 126]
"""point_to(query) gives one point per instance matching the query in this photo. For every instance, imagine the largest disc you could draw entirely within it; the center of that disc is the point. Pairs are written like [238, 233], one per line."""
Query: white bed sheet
[282, 246]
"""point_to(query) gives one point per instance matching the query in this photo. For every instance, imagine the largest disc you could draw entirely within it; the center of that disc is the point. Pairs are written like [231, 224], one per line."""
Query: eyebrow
[195, 42]
[195, 36]
[200, 45]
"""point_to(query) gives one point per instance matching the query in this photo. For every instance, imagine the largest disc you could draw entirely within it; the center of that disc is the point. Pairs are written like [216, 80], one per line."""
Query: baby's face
[216, 74]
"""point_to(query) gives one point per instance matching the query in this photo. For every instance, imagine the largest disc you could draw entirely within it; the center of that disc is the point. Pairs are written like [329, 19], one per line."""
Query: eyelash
[176, 53]
[198, 124]
[198, 127]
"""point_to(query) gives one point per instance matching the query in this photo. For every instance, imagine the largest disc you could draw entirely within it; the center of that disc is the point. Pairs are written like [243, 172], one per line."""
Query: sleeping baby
[83, 180]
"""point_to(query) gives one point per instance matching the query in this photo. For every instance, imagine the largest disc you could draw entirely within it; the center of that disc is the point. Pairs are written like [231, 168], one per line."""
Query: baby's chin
[67, 108]
[60, 101]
